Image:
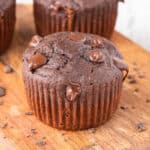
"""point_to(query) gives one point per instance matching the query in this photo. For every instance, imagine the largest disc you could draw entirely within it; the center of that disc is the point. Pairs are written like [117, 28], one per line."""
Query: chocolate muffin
[7, 23]
[73, 80]
[88, 16]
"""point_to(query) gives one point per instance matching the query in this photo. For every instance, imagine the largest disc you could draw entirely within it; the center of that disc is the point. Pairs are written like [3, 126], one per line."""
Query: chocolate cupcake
[73, 80]
[88, 16]
[7, 23]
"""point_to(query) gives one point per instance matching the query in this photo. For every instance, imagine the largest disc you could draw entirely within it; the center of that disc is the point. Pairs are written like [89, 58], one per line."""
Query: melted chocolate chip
[76, 37]
[95, 56]
[35, 41]
[73, 91]
[37, 61]
[2, 92]
[96, 42]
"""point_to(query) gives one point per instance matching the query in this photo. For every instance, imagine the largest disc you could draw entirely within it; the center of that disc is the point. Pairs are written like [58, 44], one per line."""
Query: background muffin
[7, 23]
[73, 80]
[89, 16]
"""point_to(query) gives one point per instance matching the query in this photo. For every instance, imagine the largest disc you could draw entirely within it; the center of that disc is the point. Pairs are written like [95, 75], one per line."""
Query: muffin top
[5, 4]
[66, 57]
[74, 4]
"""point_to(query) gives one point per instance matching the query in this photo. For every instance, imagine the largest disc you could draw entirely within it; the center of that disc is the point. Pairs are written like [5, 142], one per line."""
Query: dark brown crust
[93, 108]
[7, 24]
[99, 20]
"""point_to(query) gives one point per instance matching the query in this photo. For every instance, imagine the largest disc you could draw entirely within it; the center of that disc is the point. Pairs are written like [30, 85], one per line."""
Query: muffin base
[93, 108]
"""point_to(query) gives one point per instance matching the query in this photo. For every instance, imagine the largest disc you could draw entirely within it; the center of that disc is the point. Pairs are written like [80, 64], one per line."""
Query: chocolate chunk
[2, 92]
[28, 113]
[123, 107]
[72, 91]
[37, 61]
[35, 41]
[41, 143]
[7, 69]
[133, 81]
[140, 127]
[4, 125]
[95, 56]
[76, 37]
[147, 100]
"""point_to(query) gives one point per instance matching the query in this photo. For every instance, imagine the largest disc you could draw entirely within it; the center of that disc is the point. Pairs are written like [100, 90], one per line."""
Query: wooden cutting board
[24, 132]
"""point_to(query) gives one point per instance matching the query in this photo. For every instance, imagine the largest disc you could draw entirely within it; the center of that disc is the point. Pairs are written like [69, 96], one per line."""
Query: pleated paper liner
[100, 20]
[93, 108]
[7, 23]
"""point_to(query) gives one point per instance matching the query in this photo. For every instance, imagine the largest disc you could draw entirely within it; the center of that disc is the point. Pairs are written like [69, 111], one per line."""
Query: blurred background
[133, 20]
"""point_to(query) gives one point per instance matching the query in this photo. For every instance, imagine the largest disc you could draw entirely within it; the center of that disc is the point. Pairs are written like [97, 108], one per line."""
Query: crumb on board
[140, 127]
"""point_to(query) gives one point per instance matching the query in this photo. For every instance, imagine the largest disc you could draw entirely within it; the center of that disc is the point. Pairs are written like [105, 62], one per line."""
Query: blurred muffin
[73, 80]
[7, 23]
[89, 16]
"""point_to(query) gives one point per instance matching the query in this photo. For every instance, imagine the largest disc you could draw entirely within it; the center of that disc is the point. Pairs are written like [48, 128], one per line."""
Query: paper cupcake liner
[100, 20]
[93, 108]
[7, 24]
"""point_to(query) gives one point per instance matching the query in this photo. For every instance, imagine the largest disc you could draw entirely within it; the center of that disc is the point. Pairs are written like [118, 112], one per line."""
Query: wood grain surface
[24, 132]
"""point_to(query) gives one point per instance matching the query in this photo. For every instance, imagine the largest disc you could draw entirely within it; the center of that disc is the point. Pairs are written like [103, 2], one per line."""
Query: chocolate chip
[73, 91]
[2, 92]
[95, 56]
[28, 113]
[41, 143]
[97, 42]
[37, 61]
[4, 125]
[123, 107]
[7, 69]
[140, 127]
[133, 81]
[147, 100]
[35, 41]
[76, 37]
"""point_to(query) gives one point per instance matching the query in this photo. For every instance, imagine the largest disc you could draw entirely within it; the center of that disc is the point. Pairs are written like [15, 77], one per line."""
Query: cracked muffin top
[75, 57]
